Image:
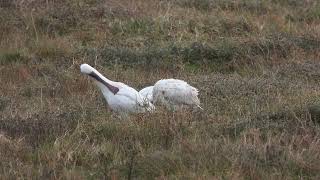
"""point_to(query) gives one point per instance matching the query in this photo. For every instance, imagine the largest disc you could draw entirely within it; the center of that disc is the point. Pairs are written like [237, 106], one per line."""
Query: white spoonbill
[174, 93]
[120, 97]
[147, 93]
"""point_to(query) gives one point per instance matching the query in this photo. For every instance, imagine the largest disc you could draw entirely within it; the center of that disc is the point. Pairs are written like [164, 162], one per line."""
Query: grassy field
[256, 64]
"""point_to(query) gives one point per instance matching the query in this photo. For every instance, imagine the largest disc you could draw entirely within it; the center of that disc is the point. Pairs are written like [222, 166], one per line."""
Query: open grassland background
[256, 64]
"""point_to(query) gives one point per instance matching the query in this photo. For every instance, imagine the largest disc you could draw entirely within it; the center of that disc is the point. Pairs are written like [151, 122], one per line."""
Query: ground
[255, 63]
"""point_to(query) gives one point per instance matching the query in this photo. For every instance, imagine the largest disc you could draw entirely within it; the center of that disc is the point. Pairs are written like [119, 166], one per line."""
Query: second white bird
[172, 93]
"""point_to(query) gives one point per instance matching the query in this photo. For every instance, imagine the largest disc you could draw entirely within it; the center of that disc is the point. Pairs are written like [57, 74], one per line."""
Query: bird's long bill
[113, 89]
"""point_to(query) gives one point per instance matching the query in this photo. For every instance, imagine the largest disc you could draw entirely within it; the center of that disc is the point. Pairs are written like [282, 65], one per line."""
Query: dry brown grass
[256, 64]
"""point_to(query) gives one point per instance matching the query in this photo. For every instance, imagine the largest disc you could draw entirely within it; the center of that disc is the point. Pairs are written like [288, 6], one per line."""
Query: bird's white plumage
[147, 93]
[126, 100]
[86, 69]
[174, 92]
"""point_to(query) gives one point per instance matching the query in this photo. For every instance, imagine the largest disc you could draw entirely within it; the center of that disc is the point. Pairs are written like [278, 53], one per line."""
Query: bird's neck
[104, 83]
[102, 77]
[105, 90]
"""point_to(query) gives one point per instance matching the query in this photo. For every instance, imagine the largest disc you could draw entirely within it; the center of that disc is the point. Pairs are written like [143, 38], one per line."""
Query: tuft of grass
[133, 26]
[11, 57]
[3, 103]
[257, 7]
[48, 47]
[309, 14]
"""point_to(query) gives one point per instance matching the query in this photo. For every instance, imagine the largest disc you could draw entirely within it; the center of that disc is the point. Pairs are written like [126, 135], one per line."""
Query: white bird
[147, 93]
[120, 97]
[174, 93]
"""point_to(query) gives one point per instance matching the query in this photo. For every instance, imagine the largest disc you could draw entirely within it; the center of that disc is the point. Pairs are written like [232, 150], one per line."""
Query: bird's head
[86, 69]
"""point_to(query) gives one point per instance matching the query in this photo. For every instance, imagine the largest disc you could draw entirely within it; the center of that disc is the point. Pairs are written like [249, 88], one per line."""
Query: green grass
[10, 58]
[255, 63]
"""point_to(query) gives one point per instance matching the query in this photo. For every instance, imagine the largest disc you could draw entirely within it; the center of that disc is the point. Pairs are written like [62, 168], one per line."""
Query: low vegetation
[255, 63]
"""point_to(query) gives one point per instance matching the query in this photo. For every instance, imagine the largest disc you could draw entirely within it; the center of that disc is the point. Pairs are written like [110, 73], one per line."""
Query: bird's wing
[131, 94]
[177, 92]
[147, 92]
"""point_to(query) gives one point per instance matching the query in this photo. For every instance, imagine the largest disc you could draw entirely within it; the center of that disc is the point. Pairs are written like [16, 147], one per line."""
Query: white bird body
[120, 97]
[174, 93]
[147, 93]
